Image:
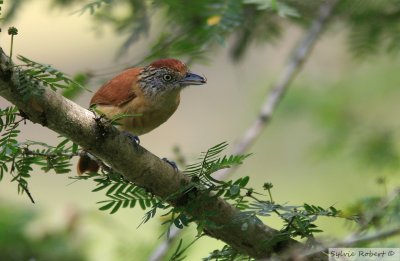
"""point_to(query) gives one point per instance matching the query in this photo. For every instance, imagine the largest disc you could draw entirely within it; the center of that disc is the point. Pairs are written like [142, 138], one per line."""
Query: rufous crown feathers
[172, 64]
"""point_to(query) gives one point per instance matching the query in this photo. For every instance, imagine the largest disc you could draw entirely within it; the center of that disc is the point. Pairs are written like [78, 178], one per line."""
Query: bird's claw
[97, 115]
[173, 164]
[135, 139]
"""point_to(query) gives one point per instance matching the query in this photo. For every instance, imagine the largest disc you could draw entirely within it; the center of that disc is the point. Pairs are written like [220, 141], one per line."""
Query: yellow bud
[214, 20]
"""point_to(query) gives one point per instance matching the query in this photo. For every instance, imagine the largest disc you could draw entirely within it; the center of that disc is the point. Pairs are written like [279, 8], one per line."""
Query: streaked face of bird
[151, 91]
[167, 76]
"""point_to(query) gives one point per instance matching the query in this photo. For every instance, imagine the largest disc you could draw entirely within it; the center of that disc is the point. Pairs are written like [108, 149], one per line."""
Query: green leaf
[107, 206]
[125, 203]
[121, 188]
[116, 207]
[62, 144]
[74, 147]
[101, 187]
[178, 223]
[132, 203]
[244, 181]
[142, 204]
[113, 188]
[234, 190]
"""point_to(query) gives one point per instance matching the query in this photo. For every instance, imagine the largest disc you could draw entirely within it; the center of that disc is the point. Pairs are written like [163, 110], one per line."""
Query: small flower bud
[268, 186]
[12, 31]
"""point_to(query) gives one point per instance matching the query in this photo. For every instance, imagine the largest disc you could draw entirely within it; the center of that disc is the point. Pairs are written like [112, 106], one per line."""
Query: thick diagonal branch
[140, 166]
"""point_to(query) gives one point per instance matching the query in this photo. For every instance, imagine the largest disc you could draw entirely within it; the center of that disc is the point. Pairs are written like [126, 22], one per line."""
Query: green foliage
[180, 250]
[9, 133]
[374, 26]
[174, 217]
[376, 213]
[378, 150]
[123, 194]
[73, 89]
[52, 158]
[33, 75]
[120, 192]
[210, 162]
[177, 256]
[17, 158]
[299, 221]
[10, 150]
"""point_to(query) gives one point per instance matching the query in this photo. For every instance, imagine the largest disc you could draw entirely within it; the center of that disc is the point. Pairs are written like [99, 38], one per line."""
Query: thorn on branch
[23, 115]
[102, 124]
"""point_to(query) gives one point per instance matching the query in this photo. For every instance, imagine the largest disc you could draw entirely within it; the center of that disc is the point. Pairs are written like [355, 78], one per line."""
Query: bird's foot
[135, 139]
[173, 164]
[98, 116]
[102, 123]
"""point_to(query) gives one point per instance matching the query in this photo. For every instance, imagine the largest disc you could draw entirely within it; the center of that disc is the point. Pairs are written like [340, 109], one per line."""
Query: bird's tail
[87, 163]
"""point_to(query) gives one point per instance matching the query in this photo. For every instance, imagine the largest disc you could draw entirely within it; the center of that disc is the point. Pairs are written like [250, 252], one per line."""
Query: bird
[152, 92]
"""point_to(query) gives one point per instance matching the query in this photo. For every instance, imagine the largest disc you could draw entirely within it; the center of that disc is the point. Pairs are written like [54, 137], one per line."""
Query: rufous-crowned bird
[153, 92]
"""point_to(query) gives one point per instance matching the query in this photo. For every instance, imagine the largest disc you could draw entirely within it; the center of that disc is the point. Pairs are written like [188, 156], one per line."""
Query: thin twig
[25, 188]
[352, 241]
[27, 151]
[376, 212]
[293, 67]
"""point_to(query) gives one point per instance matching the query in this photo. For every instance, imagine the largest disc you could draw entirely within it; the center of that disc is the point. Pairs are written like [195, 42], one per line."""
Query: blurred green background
[333, 141]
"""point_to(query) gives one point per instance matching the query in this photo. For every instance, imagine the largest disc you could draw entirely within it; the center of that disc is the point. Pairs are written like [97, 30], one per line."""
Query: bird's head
[167, 75]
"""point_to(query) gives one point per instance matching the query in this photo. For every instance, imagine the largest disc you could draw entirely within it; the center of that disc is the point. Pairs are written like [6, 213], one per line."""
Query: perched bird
[152, 91]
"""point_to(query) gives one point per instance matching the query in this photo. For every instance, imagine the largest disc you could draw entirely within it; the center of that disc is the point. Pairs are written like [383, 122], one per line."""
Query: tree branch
[292, 68]
[140, 166]
[380, 235]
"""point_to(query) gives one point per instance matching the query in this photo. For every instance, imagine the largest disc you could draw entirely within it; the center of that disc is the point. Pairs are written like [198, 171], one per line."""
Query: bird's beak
[193, 79]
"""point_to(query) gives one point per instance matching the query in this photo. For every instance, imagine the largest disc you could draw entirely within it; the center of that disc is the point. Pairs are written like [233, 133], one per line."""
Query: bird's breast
[142, 115]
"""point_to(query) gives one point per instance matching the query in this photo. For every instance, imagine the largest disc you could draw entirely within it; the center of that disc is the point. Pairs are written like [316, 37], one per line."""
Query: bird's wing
[118, 90]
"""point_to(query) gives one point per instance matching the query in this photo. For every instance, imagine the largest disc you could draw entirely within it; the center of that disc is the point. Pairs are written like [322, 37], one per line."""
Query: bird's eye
[167, 77]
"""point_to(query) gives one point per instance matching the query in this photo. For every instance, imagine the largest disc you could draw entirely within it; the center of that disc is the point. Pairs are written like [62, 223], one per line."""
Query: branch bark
[140, 166]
